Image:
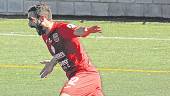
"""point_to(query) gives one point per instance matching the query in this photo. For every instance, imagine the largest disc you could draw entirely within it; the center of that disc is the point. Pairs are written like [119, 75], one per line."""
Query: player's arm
[71, 30]
[48, 68]
[85, 31]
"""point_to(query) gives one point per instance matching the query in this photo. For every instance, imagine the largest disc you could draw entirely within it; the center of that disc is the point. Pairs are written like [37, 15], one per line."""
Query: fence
[138, 8]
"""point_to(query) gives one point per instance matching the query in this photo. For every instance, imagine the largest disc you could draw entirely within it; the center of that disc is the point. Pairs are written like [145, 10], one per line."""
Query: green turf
[148, 55]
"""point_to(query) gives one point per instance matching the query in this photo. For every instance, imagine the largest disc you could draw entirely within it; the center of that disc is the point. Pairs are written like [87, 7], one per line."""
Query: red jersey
[66, 48]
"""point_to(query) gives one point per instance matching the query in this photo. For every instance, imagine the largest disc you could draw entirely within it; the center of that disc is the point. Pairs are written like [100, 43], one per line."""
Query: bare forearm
[53, 61]
[85, 31]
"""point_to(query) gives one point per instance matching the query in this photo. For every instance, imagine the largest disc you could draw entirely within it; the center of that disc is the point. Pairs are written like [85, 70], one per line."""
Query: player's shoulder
[57, 25]
[65, 29]
[65, 25]
[60, 23]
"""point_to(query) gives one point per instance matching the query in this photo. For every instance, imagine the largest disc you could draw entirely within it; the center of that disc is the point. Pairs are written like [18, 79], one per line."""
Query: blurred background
[137, 8]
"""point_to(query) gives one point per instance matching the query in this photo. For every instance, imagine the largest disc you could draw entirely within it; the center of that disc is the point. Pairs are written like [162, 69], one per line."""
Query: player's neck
[47, 24]
[50, 25]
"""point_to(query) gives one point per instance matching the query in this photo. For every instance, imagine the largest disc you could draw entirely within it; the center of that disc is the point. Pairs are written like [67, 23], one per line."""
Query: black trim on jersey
[59, 47]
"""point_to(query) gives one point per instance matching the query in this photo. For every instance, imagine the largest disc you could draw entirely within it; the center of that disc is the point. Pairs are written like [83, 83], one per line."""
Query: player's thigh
[82, 84]
[64, 94]
[97, 92]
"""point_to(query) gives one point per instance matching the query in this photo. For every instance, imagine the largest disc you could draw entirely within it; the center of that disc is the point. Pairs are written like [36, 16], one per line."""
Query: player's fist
[94, 29]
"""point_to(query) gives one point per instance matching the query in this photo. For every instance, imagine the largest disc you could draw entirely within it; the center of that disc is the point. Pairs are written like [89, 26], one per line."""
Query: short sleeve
[67, 30]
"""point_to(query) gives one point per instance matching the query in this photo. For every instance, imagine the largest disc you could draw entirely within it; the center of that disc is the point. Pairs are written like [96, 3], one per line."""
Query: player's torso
[69, 53]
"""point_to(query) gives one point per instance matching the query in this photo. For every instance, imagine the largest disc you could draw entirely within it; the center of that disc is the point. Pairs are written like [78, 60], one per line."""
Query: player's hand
[48, 68]
[94, 29]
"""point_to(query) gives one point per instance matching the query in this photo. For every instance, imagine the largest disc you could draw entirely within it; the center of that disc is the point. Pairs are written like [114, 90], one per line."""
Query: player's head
[36, 15]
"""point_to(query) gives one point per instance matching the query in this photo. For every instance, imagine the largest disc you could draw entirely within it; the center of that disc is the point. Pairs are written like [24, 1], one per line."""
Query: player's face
[32, 19]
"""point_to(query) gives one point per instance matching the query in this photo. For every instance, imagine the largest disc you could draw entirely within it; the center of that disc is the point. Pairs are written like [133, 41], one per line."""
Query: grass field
[133, 59]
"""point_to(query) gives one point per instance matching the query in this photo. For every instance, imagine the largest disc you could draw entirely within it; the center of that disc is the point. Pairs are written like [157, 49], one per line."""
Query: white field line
[133, 38]
[95, 37]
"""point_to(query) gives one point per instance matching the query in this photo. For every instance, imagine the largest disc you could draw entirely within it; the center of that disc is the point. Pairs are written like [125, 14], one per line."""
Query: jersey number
[72, 82]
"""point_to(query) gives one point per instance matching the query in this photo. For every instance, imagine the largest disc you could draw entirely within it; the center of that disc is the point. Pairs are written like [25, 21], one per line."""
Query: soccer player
[63, 43]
